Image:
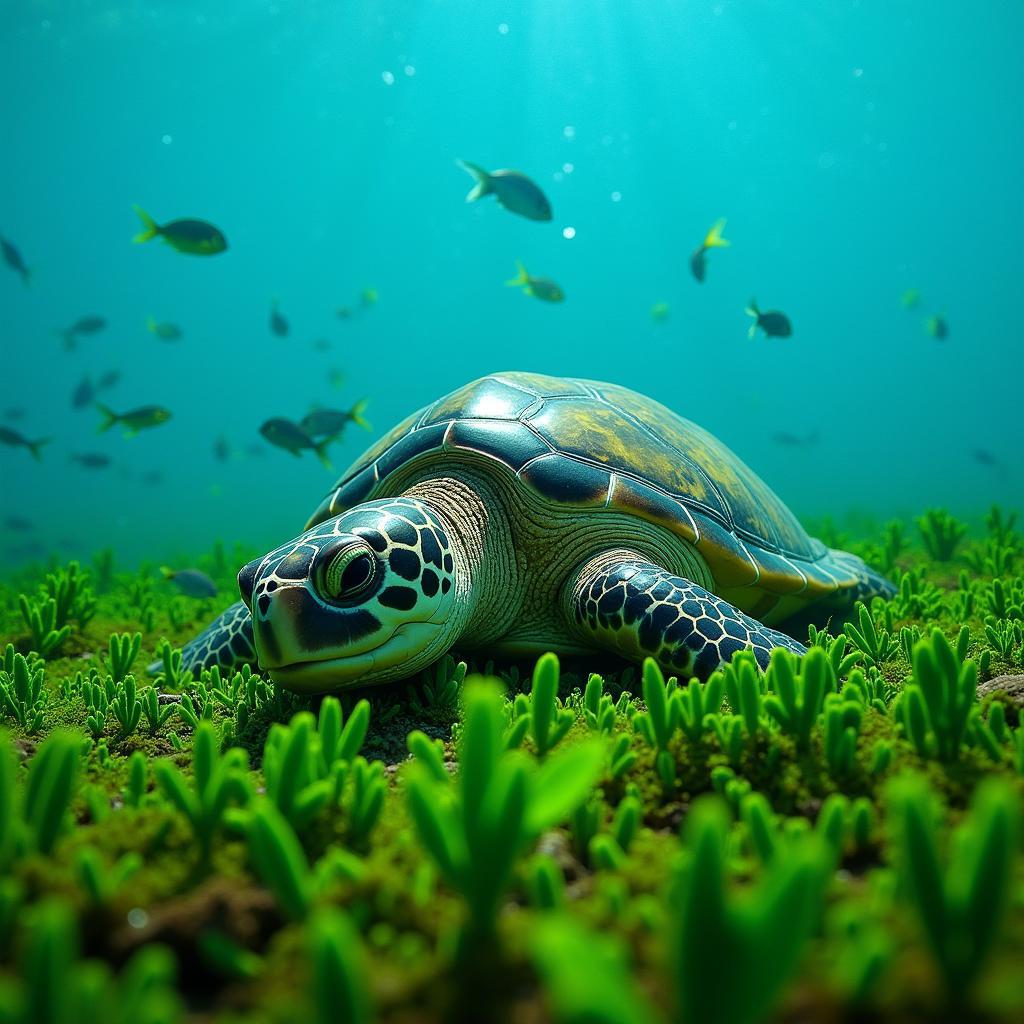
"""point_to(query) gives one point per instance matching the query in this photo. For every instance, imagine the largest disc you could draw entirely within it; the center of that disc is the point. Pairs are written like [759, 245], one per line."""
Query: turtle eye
[348, 573]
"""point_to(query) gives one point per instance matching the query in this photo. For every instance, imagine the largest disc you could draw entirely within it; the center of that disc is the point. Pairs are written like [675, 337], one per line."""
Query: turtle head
[364, 597]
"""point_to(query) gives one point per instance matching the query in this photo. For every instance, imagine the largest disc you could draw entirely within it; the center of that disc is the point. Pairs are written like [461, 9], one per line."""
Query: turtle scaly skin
[524, 513]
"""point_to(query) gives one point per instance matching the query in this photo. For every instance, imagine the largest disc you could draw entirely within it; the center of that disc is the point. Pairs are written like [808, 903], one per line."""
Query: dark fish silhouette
[91, 460]
[164, 331]
[794, 440]
[712, 240]
[192, 582]
[937, 327]
[134, 420]
[331, 422]
[12, 257]
[91, 324]
[191, 237]
[283, 433]
[13, 439]
[221, 449]
[18, 524]
[278, 323]
[773, 323]
[513, 190]
[84, 394]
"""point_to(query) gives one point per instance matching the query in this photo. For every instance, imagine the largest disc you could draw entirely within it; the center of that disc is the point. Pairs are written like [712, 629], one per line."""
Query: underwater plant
[940, 533]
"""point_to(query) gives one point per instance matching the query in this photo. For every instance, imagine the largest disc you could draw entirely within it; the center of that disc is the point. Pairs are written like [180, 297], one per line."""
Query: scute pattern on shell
[591, 445]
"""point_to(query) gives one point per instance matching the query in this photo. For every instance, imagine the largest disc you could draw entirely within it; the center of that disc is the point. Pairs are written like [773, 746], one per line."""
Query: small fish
[910, 299]
[321, 345]
[221, 449]
[18, 524]
[13, 439]
[539, 287]
[13, 259]
[336, 377]
[513, 190]
[83, 325]
[164, 331]
[108, 380]
[14, 413]
[331, 422]
[773, 323]
[278, 323]
[91, 460]
[191, 582]
[660, 312]
[134, 420]
[292, 438]
[369, 297]
[84, 394]
[344, 313]
[192, 237]
[937, 327]
[795, 440]
[712, 240]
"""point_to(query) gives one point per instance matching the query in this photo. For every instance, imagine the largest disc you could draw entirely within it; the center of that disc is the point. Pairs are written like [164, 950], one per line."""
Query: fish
[539, 287]
[910, 299]
[84, 394]
[660, 312]
[91, 324]
[984, 457]
[282, 433]
[108, 380]
[191, 237]
[191, 582]
[712, 240]
[91, 460]
[937, 327]
[336, 377]
[331, 422]
[14, 413]
[773, 323]
[134, 420]
[18, 524]
[164, 331]
[278, 323]
[221, 449]
[12, 257]
[343, 313]
[369, 297]
[513, 190]
[13, 439]
[795, 440]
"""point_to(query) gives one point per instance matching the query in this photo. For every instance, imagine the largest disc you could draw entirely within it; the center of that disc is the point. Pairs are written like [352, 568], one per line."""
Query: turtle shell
[599, 446]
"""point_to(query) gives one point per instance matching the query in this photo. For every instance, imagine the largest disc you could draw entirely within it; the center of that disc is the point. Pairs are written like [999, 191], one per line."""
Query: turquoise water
[858, 150]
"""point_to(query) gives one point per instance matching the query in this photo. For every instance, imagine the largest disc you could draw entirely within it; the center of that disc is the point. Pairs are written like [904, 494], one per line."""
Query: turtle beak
[247, 580]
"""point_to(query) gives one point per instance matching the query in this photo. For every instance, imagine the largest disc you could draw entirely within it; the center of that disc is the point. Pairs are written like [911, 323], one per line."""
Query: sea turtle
[523, 513]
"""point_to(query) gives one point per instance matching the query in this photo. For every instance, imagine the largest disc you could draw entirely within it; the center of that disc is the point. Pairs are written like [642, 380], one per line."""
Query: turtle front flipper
[623, 602]
[226, 642]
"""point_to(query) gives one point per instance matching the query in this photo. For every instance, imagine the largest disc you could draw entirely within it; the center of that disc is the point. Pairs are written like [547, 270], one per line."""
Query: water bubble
[166, 139]
[137, 917]
[826, 160]
[616, 197]
[568, 168]
[732, 126]
[409, 71]
[503, 29]
[568, 232]
[569, 131]
[858, 72]
[388, 77]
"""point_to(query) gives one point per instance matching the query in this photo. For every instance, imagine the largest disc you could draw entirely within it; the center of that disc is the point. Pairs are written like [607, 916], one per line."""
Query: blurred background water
[858, 150]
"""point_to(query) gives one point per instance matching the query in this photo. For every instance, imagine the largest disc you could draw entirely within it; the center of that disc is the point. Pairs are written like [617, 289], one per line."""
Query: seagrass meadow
[837, 838]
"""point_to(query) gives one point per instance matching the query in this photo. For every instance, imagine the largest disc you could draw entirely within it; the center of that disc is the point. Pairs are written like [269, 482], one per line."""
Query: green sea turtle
[525, 513]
